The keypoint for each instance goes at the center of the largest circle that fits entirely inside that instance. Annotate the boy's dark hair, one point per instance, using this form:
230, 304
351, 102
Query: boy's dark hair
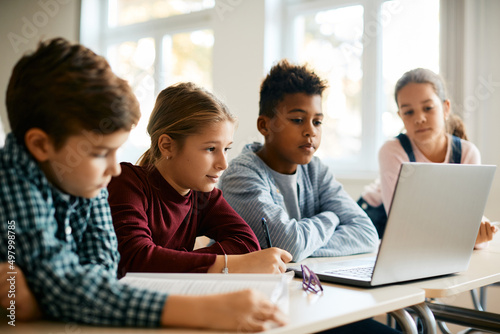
286, 78
64, 88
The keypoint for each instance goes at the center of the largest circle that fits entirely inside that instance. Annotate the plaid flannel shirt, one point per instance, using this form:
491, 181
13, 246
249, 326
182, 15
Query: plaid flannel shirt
67, 248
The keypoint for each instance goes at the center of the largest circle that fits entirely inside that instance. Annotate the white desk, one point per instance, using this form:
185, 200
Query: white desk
484, 269
339, 305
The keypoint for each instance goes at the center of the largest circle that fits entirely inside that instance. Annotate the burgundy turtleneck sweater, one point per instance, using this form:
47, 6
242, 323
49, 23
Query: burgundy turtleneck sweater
157, 227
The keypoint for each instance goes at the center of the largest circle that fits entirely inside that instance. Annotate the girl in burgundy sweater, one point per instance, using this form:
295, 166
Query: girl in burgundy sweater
162, 205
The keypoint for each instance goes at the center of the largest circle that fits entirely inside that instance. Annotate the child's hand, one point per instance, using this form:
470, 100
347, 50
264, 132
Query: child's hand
242, 311
26, 307
485, 234
270, 261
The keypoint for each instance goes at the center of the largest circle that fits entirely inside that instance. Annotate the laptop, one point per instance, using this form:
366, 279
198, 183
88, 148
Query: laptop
431, 227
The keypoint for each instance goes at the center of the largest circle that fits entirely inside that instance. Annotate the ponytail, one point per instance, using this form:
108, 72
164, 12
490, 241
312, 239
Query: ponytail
145, 159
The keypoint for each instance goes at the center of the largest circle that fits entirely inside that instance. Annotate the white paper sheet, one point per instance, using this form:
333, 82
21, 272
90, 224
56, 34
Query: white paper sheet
275, 287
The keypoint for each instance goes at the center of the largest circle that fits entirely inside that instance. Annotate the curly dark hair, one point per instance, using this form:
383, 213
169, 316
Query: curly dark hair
286, 78
64, 88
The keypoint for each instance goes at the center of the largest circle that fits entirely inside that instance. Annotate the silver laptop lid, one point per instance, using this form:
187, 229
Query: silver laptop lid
433, 221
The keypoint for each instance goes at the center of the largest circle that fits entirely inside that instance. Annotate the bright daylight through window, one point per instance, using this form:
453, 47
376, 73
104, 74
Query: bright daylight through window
333, 39
159, 58
360, 47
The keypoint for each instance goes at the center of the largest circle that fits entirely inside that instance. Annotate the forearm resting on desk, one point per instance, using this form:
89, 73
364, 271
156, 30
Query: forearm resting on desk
245, 310
486, 232
268, 261
26, 307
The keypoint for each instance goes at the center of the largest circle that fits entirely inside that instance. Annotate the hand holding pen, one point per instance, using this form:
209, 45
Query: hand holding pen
270, 260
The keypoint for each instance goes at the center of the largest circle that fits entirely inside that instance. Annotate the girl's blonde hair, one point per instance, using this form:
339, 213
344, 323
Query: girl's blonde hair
182, 110
454, 124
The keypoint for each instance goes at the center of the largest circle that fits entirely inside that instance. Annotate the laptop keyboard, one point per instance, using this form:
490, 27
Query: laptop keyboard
358, 272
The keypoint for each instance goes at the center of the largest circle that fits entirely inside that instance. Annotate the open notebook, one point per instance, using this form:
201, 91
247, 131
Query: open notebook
274, 286
431, 227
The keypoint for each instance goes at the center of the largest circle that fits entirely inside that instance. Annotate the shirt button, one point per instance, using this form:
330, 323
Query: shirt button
68, 230
364, 206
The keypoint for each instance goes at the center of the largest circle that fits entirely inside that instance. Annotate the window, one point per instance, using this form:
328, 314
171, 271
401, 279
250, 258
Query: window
125, 12
361, 48
411, 40
153, 44
330, 41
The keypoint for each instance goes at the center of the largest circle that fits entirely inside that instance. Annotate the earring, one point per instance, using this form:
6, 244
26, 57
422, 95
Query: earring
167, 157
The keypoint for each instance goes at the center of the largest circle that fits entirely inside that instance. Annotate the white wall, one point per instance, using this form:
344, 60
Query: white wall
246, 46
238, 65
23, 23
482, 87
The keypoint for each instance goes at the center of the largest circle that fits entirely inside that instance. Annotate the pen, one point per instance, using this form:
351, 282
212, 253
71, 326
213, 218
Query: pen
266, 233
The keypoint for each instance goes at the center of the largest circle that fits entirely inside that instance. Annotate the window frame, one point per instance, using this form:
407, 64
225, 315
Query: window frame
364, 164
270, 40
98, 35
103, 36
